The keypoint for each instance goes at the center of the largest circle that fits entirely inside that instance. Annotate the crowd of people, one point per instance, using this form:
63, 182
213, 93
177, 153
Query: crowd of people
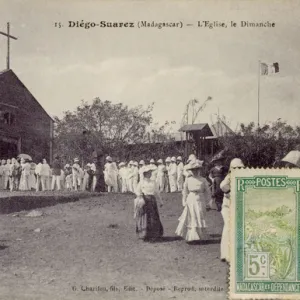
201, 190
22, 174
197, 195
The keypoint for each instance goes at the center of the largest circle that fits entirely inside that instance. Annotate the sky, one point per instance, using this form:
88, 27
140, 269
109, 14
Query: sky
169, 66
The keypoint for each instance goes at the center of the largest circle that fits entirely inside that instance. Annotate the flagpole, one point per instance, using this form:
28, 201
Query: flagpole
258, 92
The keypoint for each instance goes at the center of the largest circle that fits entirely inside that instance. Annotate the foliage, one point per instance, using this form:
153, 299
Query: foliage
278, 238
113, 129
261, 146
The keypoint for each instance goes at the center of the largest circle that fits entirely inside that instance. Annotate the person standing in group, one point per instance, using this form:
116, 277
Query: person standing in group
148, 224
154, 167
225, 186
93, 175
160, 178
37, 172
135, 178
69, 177
56, 172
2, 170
130, 177
180, 176
196, 194
6, 174
167, 182
217, 175
110, 175
86, 177
32, 178
173, 175
76, 173
13, 173
141, 165
45, 175
26, 171
122, 177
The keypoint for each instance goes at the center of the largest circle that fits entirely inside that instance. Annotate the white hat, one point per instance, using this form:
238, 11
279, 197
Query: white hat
179, 158
236, 163
142, 162
67, 166
293, 157
121, 164
192, 157
173, 159
76, 159
197, 164
130, 163
145, 169
108, 158
168, 159
152, 161
160, 161
135, 163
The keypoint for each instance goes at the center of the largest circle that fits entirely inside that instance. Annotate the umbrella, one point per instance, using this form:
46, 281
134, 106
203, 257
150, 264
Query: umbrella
25, 156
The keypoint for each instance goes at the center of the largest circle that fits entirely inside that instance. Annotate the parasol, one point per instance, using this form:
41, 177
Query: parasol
25, 156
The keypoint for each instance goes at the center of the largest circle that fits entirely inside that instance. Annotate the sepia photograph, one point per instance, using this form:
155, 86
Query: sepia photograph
121, 124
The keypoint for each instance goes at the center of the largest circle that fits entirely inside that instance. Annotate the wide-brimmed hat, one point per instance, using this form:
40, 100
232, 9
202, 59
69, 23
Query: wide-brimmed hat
121, 164
160, 161
218, 156
236, 163
146, 169
152, 161
293, 157
108, 158
192, 157
197, 164
173, 159
142, 163
179, 158
168, 159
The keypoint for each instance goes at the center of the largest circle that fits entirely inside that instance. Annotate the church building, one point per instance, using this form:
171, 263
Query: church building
25, 127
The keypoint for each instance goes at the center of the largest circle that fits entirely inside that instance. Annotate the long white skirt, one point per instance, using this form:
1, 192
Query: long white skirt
225, 233
192, 225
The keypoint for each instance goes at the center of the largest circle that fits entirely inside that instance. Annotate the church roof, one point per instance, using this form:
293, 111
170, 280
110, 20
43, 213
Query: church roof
10, 96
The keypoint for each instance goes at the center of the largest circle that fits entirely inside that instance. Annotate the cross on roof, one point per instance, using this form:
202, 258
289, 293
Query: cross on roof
8, 44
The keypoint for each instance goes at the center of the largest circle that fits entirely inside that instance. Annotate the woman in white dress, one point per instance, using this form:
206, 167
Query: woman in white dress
196, 194
148, 224
225, 187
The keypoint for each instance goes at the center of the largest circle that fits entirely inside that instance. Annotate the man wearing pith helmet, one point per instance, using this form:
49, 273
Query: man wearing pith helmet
160, 178
168, 164
154, 169
179, 173
173, 175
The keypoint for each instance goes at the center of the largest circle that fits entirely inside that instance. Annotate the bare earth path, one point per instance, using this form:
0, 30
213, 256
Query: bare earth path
92, 244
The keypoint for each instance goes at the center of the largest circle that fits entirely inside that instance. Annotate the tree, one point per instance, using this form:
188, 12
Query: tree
261, 146
100, 126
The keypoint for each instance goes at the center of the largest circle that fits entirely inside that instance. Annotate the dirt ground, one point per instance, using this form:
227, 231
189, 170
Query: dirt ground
88, 250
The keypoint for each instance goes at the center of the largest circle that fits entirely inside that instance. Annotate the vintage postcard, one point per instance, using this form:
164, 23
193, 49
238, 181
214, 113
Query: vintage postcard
121, 122
264, 234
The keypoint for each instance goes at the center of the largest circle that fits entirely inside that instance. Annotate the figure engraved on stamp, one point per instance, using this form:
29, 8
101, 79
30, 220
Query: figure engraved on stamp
264, 234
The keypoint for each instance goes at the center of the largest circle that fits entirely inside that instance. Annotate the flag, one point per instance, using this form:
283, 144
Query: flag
267, 69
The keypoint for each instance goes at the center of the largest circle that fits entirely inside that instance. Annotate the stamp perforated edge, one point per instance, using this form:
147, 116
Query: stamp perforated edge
231, 295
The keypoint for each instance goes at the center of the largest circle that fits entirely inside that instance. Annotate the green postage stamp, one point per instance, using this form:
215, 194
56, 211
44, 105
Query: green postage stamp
264, 234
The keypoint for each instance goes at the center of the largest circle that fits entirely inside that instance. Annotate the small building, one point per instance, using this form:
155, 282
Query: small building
25, 127
197, 135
